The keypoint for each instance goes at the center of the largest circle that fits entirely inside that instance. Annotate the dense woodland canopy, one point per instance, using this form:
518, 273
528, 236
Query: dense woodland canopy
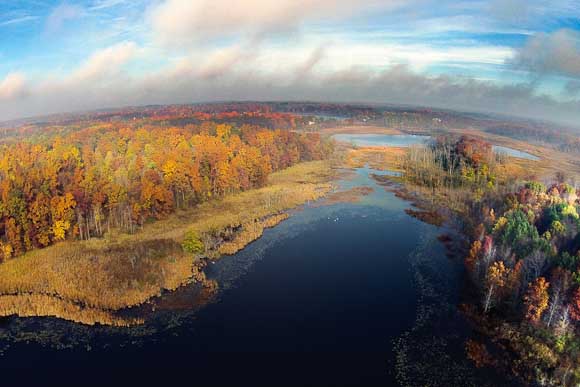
83, 180
524, 258
525, 263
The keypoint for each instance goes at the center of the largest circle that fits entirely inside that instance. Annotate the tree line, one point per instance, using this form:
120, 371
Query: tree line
523, 260
83, 182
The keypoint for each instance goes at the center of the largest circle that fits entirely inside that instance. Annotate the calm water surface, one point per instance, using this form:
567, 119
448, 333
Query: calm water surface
406, 140
356, 294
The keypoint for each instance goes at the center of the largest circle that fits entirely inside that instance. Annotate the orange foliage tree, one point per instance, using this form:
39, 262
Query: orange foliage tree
79, 183
575, 306
536, 299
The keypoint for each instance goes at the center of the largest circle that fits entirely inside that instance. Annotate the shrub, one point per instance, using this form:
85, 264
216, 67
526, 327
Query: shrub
192, 243
557, 228
536, 187
569, 189
567, 261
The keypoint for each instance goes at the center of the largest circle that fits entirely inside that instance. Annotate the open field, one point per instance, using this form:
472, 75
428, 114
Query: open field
86, 281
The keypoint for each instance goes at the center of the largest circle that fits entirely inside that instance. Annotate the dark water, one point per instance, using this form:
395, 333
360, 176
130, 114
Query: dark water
356, 294
407, 140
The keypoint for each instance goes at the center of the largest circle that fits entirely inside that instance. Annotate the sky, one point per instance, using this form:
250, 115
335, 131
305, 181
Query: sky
515, 57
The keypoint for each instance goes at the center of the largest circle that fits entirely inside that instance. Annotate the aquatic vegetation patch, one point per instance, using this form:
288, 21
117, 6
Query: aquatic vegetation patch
353, 195
379, 158
39, 305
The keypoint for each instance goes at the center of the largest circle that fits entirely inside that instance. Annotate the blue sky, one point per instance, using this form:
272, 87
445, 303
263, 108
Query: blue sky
518, 57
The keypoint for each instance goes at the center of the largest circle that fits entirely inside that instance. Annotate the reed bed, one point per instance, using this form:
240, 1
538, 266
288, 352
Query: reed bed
85, 281
38, 305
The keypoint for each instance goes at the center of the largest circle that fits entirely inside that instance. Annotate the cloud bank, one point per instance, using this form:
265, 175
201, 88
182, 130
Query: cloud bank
555, 53
183, 51
235, 75
13, 87
183, 22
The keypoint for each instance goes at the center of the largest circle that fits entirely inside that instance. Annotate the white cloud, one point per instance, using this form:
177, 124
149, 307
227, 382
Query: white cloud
61, 14
179, 22
18, 20
317, 56
241, 79
106, 62
13, 86
326, 61
555, 53
105, 4
224, 61
99, 81
340, 54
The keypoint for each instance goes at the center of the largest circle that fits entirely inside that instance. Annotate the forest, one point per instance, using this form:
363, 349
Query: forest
524, 262
523, 259
87, 178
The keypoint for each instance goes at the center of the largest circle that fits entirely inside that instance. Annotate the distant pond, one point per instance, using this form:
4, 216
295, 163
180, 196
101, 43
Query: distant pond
406, 140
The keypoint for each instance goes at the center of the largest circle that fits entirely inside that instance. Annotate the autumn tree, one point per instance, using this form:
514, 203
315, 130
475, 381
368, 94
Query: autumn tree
82, 180
536, 299
497, 275
472, 258
575, 305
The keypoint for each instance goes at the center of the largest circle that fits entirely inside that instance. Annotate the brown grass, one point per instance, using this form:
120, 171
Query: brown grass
352, 195
99, 275
380, 158
38, 305
367, 129
249, 233
552, 160
126, 270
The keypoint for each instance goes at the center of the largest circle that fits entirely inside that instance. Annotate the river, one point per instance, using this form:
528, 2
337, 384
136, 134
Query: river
357, 294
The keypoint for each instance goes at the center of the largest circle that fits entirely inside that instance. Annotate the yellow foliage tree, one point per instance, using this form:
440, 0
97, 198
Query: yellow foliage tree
497, 276
536, 299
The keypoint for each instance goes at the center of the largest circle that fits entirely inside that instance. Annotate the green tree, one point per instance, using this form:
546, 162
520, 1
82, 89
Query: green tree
536, 187
192, 243
519, 233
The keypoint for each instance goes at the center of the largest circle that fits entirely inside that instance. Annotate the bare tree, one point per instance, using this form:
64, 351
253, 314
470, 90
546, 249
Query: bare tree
534, 266
563, 323
554, 306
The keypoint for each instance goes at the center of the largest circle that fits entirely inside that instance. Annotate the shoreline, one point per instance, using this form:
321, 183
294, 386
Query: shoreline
106, 277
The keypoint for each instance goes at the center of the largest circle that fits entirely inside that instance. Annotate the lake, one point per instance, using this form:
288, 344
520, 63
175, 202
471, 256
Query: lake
350, 294
406, 140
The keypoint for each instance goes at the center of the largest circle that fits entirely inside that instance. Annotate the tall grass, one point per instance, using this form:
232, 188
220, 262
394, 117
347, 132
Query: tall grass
250, 232
35, 305
77, 280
